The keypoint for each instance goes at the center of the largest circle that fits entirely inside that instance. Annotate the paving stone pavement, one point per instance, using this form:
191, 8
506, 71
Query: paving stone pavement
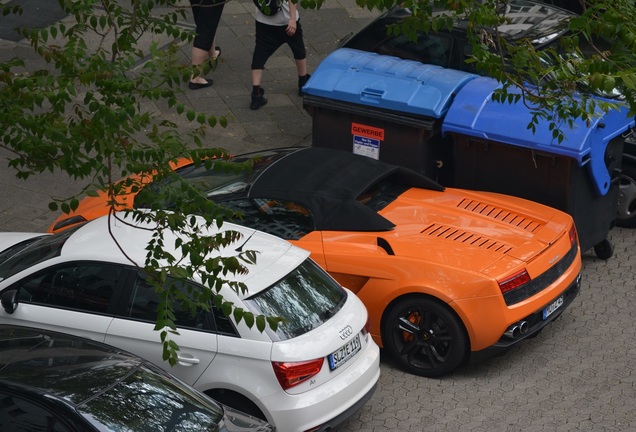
579, 374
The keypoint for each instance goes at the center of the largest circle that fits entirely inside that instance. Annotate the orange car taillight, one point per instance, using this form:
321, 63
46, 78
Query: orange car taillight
572, 234
514, 281
290, 374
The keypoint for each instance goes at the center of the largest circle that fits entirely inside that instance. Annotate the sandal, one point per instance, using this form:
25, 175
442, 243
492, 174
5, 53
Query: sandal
198, 86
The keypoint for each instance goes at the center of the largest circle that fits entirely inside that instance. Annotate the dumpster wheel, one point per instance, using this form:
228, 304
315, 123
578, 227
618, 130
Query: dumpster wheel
604, 250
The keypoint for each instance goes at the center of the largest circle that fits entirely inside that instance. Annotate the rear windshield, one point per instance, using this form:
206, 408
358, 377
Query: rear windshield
226, 179
382, 193
126, 406
305, 299
25, 256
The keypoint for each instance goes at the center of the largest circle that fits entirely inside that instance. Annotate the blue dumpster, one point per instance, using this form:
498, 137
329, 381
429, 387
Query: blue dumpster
383, 107
495, 151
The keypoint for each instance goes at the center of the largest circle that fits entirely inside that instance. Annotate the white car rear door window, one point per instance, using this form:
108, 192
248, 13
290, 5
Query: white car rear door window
133, 330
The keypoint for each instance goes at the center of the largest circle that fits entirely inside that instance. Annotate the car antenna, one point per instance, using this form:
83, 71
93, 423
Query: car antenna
240, 248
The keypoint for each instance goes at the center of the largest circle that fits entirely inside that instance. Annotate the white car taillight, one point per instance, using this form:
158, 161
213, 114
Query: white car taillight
290, 374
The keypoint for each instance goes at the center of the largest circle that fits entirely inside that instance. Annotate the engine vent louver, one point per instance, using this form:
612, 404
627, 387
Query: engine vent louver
458, 235
500, 214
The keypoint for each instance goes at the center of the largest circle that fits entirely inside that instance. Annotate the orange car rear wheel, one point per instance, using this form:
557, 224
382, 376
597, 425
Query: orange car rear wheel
425, 336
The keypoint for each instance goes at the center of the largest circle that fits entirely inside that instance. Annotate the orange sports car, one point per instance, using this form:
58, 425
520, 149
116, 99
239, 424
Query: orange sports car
448, 275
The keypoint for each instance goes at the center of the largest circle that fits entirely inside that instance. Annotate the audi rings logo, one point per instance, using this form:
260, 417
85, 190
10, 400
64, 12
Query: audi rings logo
345, 332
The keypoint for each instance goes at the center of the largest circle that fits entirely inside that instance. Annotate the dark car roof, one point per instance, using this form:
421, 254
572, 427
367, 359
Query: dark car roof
329, 181
532, 20
536, 21
71, 368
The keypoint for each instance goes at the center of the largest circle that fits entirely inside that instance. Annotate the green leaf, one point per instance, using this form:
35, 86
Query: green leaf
273, 322
260, 323
238, 315
249, 319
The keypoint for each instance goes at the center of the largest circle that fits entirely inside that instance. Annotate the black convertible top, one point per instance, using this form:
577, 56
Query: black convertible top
328, 182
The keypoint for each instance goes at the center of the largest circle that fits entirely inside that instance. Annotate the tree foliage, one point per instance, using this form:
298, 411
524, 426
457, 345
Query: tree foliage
87, 110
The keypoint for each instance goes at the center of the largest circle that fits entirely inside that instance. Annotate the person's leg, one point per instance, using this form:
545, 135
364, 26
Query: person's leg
258, 94
199, 46
297, 45
268, 40
199, 57
257, 77
214, 19
301, 66
207, 18
215, 51
303, 76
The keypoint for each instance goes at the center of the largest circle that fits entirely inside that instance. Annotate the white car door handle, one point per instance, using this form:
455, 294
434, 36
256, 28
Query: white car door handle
187, 361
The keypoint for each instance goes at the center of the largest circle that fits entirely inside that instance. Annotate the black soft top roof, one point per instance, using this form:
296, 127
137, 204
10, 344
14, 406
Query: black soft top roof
329, 181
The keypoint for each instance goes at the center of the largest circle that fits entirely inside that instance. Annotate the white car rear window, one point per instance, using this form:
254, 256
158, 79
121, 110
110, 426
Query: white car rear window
305, 299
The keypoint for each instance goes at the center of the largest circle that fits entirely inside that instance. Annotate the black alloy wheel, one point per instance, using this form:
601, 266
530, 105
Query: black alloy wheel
626, 210
425, 336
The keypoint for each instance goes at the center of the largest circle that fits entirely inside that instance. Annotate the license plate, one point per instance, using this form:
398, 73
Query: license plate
552, 307
347, 351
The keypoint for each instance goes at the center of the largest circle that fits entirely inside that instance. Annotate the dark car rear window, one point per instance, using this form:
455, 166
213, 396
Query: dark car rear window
174, 407
305, 299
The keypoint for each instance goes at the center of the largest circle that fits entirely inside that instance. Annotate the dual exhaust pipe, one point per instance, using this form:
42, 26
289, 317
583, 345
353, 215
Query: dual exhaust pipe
517, 329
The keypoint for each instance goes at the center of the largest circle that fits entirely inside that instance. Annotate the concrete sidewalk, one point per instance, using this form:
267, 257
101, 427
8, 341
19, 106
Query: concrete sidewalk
283, 121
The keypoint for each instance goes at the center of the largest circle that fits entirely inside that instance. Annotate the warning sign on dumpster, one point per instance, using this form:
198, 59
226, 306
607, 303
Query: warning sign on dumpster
366, 140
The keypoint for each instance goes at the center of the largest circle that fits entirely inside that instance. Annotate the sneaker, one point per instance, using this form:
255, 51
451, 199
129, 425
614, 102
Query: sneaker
301, 82
258, 101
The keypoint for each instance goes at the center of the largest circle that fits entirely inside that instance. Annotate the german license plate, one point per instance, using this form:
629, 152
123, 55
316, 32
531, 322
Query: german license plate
348, 350
552, 307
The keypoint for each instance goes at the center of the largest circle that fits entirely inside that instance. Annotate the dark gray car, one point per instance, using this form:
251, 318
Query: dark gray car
540, 23
56, 382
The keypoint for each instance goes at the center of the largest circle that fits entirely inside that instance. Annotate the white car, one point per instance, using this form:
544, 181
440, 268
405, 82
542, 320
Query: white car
316, 370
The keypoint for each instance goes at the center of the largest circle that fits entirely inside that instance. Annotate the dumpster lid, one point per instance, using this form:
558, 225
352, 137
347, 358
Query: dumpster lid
474, 113
329, 181
386, 82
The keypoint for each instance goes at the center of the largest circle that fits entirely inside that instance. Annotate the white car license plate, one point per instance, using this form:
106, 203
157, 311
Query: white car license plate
348, 350
552, 307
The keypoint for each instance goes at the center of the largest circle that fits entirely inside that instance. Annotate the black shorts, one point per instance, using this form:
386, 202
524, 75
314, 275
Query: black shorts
269, 38
207, 16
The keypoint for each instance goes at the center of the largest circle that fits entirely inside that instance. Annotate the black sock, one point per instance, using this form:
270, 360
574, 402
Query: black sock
302, 80
256, 90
